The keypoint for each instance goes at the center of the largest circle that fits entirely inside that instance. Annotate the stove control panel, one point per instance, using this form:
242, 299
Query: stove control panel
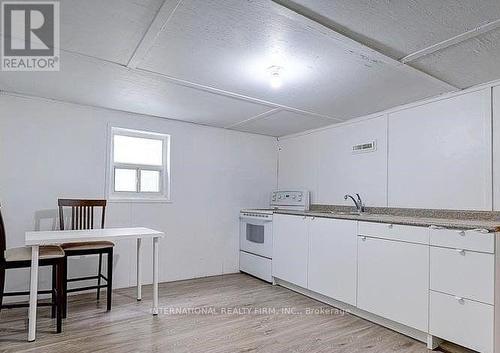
296, 199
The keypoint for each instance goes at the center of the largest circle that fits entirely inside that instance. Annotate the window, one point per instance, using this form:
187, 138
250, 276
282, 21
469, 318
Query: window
139, 166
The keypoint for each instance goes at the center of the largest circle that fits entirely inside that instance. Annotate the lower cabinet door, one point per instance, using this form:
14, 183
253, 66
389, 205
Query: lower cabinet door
290, 249
332, 258
393, 280
462, 321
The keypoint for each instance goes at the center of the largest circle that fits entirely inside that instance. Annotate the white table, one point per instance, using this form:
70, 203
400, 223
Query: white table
36, 239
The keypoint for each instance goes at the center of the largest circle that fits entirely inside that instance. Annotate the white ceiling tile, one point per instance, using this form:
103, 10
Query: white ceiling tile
399, 28
283, 123
468, 63
109, 29
89, 81
229, 45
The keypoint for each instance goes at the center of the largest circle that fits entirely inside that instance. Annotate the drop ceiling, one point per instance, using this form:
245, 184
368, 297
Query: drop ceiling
207, 61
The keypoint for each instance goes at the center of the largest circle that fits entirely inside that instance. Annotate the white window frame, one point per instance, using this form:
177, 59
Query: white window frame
124, 196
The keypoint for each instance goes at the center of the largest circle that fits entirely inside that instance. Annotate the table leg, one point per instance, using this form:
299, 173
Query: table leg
33, 293
155, 276
139, 270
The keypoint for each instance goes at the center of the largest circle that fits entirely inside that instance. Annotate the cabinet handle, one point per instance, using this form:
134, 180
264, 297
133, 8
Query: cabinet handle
363, 238
435, 227
481, 230
461, 232
313, 218
460, 251
391, 226
460, 300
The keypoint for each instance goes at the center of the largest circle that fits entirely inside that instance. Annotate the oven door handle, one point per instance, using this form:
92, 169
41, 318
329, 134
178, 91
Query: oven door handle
252, 218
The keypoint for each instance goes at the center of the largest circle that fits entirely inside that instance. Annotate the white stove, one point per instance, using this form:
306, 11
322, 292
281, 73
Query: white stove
256, 231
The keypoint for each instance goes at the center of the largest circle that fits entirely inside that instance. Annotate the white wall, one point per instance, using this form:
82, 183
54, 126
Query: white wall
299, 164
435, 154
496, 148
342, 172
50, 150
323, 163
440, 154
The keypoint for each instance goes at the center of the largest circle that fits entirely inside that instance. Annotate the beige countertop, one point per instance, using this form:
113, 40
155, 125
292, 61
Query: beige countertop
461, 220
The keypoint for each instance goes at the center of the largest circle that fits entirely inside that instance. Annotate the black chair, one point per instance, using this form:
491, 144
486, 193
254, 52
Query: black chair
21, 258
82, 217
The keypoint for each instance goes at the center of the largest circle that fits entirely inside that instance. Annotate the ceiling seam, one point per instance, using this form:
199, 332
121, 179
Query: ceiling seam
451, 41
260, 116
312, 16
270, 113
163, 16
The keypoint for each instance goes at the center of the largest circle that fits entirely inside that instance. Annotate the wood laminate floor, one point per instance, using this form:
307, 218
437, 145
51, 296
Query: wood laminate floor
232, 313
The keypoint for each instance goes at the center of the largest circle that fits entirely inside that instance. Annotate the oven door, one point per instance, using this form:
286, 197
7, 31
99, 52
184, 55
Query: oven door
256, 235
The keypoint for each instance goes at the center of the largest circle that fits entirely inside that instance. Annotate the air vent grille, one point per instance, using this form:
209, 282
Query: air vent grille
365, 147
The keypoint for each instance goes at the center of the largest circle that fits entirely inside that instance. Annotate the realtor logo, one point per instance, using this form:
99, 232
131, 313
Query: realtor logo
30, 39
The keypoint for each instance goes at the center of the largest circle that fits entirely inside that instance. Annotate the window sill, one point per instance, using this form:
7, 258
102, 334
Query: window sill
139, 200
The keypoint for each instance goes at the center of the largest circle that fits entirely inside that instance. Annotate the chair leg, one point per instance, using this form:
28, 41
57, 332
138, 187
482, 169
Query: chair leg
64, 291
2, 284
110, 278
54, 300
60, 294
99, 277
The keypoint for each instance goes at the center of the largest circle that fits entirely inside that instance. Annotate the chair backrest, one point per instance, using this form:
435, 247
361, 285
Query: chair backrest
3, 241
82, 213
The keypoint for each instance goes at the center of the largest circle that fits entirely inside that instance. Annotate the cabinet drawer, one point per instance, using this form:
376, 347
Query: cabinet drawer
464, 273
463, 239
395, 232
465, 322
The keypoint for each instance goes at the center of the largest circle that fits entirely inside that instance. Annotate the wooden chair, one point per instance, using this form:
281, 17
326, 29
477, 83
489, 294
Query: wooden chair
21, 258
82, 217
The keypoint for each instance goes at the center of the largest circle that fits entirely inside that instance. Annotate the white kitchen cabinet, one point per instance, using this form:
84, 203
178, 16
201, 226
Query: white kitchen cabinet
440, 282
463, 298
463, 273
393, 280
474, 240
411, 234
440, 154
290, 249
332, 258
462, 321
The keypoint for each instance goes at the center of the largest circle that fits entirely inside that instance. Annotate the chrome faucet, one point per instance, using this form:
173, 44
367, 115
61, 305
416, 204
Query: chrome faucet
360, 208
360, 203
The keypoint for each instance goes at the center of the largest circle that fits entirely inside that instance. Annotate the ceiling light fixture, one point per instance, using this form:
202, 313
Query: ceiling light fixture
275, 80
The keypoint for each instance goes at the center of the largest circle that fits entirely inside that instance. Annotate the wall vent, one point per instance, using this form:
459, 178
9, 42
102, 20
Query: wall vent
365, 147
